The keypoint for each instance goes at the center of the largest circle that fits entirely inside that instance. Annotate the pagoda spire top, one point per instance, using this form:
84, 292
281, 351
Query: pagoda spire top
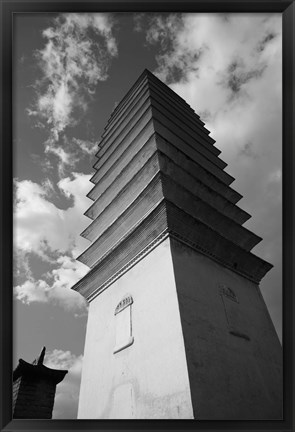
41, 356
39, 360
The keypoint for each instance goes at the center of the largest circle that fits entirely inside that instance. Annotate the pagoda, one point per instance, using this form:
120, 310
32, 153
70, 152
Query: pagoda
177, 326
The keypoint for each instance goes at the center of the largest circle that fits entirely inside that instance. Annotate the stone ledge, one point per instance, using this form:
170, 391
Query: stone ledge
130, 219
167, 219
137, 96
137, 180
186, 178
166, 117
190, 117
140, 155
137, 137
131, 129
187, 163
124, 126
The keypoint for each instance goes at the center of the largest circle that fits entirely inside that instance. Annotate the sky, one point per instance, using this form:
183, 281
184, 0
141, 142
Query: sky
70, 72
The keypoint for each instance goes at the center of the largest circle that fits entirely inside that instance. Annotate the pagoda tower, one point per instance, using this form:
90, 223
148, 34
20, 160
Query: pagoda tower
177, 326
34, 387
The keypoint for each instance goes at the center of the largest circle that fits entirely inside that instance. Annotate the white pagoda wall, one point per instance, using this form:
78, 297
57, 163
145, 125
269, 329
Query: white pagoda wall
148, 379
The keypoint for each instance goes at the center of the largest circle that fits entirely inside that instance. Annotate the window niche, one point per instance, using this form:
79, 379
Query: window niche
123, 324
237, 325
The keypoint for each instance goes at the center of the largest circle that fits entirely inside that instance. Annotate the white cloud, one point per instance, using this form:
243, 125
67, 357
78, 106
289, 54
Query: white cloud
64, 277
32, 291
39, 225
56, 286
207, 58
67, 392
70, 152
41, 228
88, 147
59, 359
77, 54
21, 268
48, 186
64, 157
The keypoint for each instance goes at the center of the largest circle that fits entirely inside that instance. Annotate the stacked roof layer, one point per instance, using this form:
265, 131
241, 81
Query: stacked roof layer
157, 174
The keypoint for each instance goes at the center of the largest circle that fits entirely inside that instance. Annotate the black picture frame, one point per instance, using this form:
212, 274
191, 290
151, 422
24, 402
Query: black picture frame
8, 9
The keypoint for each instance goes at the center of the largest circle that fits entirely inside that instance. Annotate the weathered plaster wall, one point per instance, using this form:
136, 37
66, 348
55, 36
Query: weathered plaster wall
149, 379
231, 376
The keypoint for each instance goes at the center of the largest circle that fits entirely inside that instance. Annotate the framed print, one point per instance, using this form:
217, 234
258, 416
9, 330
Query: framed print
147, 215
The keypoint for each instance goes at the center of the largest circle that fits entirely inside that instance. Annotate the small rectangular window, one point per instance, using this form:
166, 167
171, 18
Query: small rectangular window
236, 320
123, 324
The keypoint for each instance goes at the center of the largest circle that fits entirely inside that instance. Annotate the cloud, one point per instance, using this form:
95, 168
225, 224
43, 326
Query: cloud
59, 359
213, 57
32, 291
64, 277
164, 31
21, 268
77, 54
267, 38
87, 146
48, 186
69, 153
65, 158
43, 228
39, 225
247, 150
67, 392
55, 287
51, 233
238, 74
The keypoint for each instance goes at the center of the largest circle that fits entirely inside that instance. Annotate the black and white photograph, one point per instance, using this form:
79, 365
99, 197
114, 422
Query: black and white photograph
147, 216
